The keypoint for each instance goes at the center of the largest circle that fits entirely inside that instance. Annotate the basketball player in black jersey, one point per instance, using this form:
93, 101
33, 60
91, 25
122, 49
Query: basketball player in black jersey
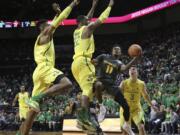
107, 68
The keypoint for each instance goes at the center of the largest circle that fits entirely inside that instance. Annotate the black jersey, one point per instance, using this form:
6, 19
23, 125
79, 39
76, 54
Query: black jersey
108, 68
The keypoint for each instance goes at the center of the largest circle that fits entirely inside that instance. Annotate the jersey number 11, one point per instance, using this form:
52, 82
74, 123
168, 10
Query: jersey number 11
109, 69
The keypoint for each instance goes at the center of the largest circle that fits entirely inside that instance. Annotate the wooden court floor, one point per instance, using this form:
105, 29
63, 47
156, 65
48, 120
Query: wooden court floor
52, 133
60, 133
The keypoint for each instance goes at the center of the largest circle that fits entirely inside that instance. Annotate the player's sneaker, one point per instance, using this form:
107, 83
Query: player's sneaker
87, 124
81, 126
102, 113
33, 104
84, 118
128, 129
88, 132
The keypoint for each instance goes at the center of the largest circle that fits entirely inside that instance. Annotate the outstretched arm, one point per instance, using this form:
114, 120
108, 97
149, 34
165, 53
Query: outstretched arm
92, 26
102, 17
91, 12
127, 66
147, 98
60, 17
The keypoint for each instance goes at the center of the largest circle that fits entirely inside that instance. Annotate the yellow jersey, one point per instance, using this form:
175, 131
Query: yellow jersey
83, 47
22, 98
132, 92
44, 53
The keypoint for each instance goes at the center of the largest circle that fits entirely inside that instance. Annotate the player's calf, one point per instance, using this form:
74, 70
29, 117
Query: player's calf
98, 88
141, 129
119, 98
62, 85
127, 129
98, 85
27, 124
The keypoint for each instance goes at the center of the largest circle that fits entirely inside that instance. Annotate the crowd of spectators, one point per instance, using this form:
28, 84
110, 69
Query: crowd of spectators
158, 68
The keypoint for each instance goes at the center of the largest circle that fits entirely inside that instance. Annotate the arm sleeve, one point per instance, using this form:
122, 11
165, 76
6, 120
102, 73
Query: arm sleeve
105, 14
61, 17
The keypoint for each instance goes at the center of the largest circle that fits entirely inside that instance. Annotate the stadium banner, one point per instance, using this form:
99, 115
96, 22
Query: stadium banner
108, 125
110, 20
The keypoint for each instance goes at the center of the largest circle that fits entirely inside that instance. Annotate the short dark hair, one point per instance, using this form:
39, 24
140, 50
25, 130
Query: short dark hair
114, 46
80, 18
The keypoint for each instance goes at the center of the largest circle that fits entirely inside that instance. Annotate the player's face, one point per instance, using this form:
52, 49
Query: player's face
116, 52
22, 88
133, 72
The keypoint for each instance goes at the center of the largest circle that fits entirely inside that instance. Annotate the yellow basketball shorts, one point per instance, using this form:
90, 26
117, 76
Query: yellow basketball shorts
43, 78
23, 112
136, 116
84, 73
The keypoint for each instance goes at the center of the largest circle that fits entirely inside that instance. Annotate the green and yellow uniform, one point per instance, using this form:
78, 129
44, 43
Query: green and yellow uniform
82, 68
84, 71
23, 108
44, 55
132, 92
45, 73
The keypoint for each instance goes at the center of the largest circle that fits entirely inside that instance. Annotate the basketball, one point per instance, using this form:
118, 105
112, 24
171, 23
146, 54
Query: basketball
134, 50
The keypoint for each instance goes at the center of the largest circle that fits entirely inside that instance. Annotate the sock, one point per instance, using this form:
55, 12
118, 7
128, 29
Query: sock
38, 98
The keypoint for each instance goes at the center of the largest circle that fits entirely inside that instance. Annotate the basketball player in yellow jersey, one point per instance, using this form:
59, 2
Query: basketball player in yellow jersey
48, 81
21, 97
133, 89
82, 68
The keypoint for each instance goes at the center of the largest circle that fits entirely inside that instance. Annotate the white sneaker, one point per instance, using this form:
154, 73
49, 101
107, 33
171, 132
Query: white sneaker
102, 113
128, 129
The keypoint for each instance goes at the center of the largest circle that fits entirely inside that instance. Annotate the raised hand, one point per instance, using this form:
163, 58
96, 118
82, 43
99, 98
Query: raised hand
111, 3
76, 2
56, 7
95, 2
